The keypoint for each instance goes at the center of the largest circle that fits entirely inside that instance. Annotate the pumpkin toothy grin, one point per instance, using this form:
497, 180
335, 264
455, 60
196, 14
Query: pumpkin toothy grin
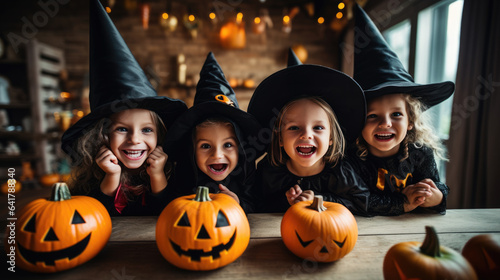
384, 136
196, 254
306, 150
49, 258
218, 168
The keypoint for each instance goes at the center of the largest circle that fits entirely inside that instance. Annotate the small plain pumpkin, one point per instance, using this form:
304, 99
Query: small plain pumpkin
319, 231
483, 253
426, 260
202, 231
61, 232
48, 180
11, 185
232, 35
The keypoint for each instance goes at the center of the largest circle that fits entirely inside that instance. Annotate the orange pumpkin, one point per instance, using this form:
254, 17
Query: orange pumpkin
427, 260
11, 186
203, 231
61, 232
483, 253
48, 180
319, 231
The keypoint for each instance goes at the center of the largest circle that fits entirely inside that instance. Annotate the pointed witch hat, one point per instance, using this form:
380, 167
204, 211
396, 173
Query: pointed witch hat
299, 80
117, 82
214, 98
292, 58
379, 71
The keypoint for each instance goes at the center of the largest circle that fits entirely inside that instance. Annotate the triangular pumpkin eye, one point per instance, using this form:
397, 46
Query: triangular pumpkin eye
31, 224
340, 244
221, 220
184, 221
303, 243
77, 219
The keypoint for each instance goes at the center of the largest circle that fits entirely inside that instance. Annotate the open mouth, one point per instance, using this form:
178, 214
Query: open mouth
306, 150
218, 168
385, 136
134, 154
49, 258
197, 254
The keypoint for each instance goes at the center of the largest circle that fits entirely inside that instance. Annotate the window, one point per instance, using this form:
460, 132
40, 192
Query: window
436, 55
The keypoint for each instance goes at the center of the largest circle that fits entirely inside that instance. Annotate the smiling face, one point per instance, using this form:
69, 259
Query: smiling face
386, 125
133, 136
305, 137
216, 149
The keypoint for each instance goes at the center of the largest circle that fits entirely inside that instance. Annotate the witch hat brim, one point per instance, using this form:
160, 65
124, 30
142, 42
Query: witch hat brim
339, 90
214, 98
379, 71
117, 82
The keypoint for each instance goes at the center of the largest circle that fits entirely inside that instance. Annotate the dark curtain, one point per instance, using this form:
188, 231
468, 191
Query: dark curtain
474, 146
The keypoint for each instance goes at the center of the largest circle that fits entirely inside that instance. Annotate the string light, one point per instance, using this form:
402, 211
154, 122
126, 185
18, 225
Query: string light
256, 20
339, 15
108, 10
211, 15
341, 5
164, 16
321, 20
239, 17
286, 19
191, 18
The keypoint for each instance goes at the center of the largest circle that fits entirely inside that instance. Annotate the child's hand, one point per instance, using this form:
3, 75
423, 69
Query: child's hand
436, 195
107, 161
156, 162
295, 194
225, 190
416, 195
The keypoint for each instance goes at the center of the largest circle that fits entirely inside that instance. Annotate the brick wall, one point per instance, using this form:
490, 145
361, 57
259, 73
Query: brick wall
65, 25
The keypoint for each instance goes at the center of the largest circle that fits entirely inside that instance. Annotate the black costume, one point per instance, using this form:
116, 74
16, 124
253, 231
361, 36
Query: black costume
387, 177
379, 72
214, 99
117, 83
336, 183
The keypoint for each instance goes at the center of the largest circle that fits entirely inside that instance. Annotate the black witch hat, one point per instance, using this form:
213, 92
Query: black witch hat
299, 80
214, 98
292, 58
379, 71
117, 82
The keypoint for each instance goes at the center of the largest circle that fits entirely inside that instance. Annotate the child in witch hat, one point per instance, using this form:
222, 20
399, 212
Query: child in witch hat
311, 112
396, 148
209, 142
116, 149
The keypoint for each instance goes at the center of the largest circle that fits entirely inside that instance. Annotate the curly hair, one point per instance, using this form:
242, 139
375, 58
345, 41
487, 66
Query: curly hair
421, 135
86, 174
334, 152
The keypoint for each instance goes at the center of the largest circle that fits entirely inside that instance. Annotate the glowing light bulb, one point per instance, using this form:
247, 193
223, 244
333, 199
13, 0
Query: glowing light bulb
164, 16
341, 5
339, 15
321, 20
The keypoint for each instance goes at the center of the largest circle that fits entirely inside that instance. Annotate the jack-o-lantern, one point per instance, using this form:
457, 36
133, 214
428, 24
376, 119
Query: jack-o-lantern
483, 253
427, 260
232, 35
319, 231
203, 231
61, 232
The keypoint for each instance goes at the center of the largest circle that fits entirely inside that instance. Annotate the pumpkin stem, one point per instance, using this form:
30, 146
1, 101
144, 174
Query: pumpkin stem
202, 194
317, 204
430, 246
60, 192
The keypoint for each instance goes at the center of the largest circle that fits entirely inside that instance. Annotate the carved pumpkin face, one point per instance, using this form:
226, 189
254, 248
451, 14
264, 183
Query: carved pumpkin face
202, 232
426, 260
60, 233
321, 231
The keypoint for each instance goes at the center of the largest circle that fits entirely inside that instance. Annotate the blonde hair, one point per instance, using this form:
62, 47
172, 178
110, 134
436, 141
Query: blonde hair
335, 151
86, 174
422, 133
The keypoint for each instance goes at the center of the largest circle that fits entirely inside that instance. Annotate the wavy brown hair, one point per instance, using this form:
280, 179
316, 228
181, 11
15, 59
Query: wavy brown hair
86, 174
421, 135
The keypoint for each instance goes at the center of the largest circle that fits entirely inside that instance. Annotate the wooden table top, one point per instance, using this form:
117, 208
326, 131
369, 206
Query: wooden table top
131, 252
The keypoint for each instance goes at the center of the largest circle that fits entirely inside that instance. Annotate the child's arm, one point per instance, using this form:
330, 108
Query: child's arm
295, 194
156, 164
225, 190
108, 162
